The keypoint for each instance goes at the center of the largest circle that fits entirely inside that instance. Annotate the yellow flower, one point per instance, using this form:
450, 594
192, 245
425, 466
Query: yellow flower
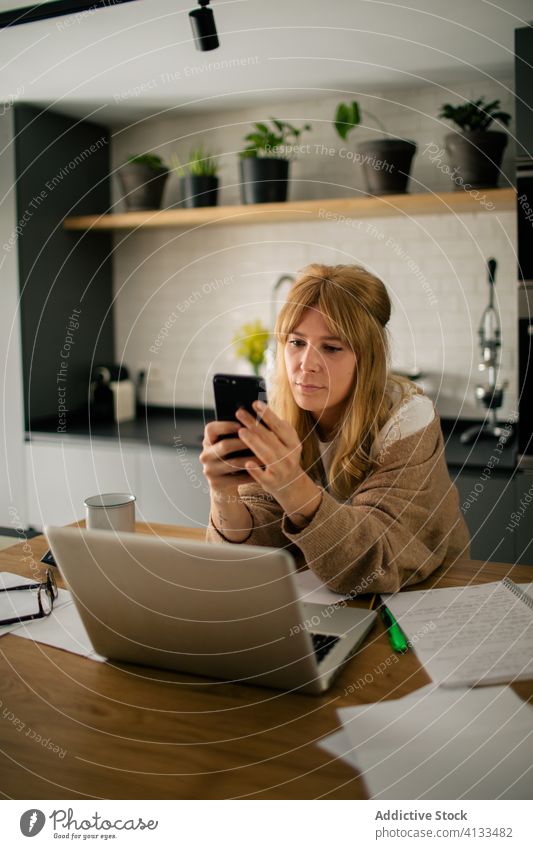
251, 341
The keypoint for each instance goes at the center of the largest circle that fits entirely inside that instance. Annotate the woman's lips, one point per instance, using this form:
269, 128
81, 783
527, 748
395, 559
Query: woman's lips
308, 387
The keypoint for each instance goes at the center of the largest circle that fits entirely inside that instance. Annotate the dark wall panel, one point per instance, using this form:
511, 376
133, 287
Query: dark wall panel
65, 278
524, 88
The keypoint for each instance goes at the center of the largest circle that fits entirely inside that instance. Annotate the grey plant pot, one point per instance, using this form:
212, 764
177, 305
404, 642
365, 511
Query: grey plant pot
476, 157
386, 165
142, 187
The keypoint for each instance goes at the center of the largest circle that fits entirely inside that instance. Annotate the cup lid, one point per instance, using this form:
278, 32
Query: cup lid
109, 499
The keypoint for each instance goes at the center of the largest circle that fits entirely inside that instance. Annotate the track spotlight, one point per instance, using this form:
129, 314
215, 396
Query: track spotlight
203, 27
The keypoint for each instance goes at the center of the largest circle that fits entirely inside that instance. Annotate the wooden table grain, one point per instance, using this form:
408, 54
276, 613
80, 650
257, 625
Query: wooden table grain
73, 728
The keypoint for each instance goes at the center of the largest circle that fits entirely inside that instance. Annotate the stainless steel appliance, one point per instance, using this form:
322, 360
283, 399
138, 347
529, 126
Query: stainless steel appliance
490, 390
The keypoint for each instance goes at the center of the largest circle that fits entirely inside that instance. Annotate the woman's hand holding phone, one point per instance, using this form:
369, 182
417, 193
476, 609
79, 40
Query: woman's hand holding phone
223, 475
276, 447
276, 467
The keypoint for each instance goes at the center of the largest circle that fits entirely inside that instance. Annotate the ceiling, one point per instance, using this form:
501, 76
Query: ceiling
129, 61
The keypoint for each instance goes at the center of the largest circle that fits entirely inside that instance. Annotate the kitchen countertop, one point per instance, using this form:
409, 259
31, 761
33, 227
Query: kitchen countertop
476, 455
165, 427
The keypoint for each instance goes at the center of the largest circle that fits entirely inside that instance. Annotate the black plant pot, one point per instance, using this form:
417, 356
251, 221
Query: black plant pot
142, 186
476, 158
386, 165
198, 191
264, 179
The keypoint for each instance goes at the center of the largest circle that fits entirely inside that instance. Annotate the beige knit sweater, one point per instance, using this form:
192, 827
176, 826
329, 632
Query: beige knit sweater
400, 524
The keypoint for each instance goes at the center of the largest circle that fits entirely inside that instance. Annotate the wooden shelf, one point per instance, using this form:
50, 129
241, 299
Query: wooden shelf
444, 203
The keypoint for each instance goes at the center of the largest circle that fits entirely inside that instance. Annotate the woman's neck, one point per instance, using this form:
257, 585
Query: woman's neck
325, 432
328, 422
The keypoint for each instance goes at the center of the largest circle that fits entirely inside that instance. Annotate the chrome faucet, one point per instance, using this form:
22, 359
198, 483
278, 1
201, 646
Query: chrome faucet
273, 312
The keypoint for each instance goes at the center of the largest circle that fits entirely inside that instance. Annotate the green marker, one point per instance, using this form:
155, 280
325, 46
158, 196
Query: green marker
396, 635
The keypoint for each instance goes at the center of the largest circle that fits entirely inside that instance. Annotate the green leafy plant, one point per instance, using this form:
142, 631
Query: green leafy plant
474, 115
270, 141
251, 342
201, 163
348, 116
152, 160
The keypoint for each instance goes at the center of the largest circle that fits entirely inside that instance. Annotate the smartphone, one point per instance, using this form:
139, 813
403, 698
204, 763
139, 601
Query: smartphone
233, 391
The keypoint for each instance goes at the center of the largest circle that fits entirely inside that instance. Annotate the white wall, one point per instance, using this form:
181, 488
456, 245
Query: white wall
205, 283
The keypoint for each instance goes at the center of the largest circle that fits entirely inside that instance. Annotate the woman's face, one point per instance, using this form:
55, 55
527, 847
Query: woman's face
320, 368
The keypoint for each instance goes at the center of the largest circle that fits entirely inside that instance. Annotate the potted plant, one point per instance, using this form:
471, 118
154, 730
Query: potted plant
251, 342
143, 179
475, 152
198, 178
264, 163
386, 161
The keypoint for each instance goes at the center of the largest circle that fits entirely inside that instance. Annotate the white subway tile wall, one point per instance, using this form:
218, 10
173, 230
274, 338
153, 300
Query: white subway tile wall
180, 296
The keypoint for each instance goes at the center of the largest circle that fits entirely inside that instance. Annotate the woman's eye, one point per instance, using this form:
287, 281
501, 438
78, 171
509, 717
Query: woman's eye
297, 343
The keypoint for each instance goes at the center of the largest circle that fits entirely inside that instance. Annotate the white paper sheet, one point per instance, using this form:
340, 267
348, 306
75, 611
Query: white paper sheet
63, 629
340, 744
527, 588
441, 744
468, 635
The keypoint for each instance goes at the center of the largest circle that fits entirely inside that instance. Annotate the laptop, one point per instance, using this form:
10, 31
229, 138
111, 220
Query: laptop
229, 612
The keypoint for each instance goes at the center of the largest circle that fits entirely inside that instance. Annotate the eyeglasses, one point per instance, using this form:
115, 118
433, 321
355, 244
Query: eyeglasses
46, 595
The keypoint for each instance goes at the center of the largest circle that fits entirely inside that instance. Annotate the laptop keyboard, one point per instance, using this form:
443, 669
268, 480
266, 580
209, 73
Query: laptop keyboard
322, 644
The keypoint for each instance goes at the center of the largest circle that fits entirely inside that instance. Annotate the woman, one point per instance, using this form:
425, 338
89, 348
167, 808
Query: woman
349, 473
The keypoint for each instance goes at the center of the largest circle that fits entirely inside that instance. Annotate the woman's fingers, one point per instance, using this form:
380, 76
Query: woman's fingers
257, 444
215, 457
228, 446
266, 413
224, 473
282, 429
253, 425
216, 468
255, 471
214, 430
265, 444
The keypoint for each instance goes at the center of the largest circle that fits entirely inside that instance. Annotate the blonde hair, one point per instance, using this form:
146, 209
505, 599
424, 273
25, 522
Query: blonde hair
356, 307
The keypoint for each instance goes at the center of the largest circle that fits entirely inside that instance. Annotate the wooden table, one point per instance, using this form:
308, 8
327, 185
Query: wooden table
74, 728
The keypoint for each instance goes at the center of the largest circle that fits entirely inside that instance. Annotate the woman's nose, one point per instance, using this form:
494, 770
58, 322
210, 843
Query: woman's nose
310, 359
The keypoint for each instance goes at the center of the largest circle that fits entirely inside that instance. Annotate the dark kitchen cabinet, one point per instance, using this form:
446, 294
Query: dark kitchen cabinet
487, 506
498, 512
521, 522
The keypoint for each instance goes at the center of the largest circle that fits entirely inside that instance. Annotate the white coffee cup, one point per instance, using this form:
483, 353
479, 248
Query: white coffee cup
110, 511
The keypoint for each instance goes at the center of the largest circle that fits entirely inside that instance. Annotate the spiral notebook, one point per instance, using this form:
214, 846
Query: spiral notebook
480, 634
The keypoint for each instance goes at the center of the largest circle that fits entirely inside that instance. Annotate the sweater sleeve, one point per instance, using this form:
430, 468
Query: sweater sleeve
398, 527
266, 519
